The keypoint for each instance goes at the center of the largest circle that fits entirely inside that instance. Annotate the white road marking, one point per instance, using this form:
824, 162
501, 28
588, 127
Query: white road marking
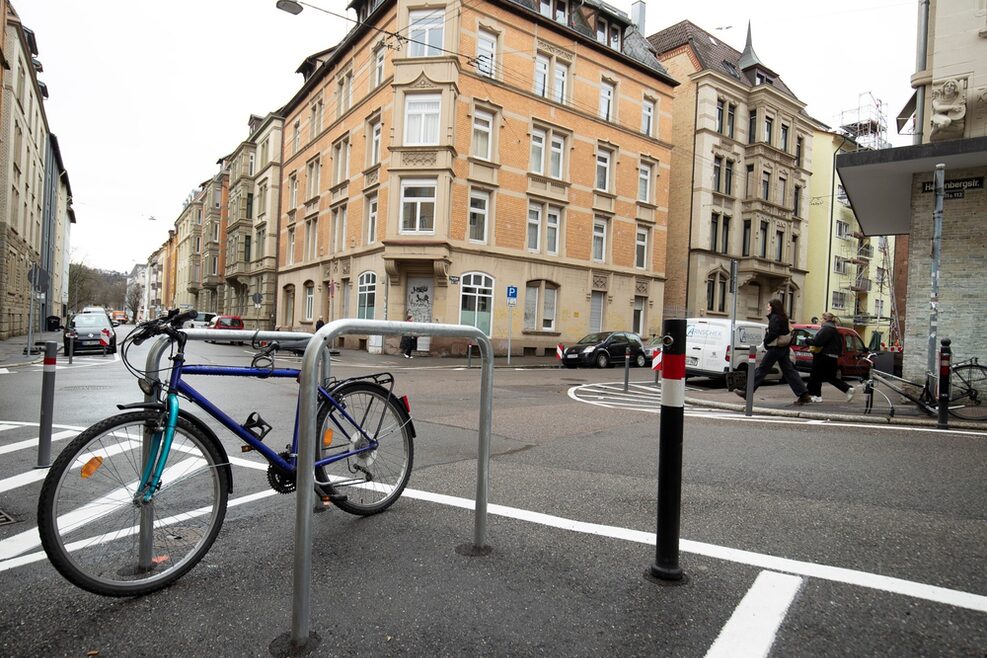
750, 631
4, 371
8, 427
33, 443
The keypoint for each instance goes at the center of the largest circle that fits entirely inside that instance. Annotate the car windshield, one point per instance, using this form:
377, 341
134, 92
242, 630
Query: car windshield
91, 320
595, 338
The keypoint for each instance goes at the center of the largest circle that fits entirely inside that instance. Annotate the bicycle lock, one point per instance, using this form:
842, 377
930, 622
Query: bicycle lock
945, 356
666, 568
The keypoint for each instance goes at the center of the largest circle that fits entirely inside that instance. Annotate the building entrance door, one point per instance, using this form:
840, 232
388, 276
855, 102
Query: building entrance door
420, 295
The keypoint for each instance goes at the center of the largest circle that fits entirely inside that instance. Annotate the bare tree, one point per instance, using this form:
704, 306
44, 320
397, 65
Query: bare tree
135, 295
84, 283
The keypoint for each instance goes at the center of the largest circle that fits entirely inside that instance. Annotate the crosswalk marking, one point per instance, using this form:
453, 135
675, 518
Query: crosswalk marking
31, 443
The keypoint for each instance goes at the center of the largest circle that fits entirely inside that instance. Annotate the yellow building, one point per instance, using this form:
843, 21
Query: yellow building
442, 153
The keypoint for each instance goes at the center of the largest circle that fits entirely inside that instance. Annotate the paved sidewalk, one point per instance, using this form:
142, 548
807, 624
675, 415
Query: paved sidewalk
13, 351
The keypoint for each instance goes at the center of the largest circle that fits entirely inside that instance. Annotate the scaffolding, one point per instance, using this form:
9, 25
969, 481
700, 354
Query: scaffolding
867, 123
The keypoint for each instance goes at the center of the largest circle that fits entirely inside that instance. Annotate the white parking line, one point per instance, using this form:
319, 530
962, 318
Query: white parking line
33, 443
751, 629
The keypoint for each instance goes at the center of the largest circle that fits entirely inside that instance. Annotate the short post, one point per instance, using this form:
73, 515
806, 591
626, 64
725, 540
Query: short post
627, 367
71, 347
47, 405
945, 356
656, 365
469, 354
751, 368
560, 354
666, 567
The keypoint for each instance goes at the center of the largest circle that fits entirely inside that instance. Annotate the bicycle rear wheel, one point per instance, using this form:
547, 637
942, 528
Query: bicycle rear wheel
90, 523
968, 392
374, 479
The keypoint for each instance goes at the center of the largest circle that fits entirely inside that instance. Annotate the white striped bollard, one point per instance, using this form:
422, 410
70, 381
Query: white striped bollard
47, 405
666, 567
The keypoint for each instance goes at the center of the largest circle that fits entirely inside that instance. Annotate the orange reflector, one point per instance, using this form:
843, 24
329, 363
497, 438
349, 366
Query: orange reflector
91, 466
327, 438
160, 559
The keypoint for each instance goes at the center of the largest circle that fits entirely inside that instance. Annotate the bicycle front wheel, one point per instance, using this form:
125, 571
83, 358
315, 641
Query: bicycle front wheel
373, 479
968, 392
103, 540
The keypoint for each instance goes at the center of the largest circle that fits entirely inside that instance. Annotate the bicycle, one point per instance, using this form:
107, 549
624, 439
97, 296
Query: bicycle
136, 500
967, 390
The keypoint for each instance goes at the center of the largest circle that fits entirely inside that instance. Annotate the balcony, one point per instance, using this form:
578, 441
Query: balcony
237, 269
862, 284
865, 251
193, 286
212, 281
754, 266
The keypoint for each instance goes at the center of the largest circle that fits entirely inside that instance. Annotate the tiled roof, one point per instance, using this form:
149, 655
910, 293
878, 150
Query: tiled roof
713, 54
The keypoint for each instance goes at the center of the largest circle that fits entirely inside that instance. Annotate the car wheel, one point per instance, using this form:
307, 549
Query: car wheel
602, 360
640, 361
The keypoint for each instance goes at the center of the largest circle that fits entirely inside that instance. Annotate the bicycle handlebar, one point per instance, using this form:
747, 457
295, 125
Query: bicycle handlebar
169, 324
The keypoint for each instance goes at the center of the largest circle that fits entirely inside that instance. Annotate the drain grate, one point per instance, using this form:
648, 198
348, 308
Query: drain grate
6, 519
86, 388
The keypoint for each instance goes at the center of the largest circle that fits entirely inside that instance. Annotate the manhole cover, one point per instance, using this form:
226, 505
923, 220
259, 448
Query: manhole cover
5, 519
86, 388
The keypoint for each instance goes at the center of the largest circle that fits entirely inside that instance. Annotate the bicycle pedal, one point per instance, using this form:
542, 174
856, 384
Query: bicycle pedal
246, 448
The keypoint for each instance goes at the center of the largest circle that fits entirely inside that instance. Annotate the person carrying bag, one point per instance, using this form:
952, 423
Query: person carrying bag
777, 339
826, 347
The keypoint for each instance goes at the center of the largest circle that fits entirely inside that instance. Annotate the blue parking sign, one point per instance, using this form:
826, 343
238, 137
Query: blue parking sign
512, 292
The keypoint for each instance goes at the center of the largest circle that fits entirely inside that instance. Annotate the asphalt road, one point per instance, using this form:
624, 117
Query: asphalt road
798, 537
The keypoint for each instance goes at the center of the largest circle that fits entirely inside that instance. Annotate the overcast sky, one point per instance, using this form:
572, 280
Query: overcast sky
145, 97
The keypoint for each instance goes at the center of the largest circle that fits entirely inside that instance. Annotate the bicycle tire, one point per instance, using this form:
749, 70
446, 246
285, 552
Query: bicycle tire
373, 480
968, 392
100, 553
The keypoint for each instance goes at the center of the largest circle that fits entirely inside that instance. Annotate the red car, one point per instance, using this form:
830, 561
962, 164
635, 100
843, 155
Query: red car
850, 363
226, 322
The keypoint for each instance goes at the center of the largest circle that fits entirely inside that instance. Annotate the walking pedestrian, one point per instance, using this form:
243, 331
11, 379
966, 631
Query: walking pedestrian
408, 342
321, 323
777, 339
826, 347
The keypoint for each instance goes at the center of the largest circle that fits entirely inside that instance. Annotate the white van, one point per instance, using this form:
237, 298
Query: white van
707, 349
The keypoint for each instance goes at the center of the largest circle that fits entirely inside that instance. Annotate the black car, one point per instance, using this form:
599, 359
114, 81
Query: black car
605, 348
86, 329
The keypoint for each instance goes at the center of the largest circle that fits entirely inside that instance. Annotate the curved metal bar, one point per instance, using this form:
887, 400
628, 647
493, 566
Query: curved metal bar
307, 430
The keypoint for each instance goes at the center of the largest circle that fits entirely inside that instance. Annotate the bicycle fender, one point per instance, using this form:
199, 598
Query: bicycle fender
405, 416
194, 420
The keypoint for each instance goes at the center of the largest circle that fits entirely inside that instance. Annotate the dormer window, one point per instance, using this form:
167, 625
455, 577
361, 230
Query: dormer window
731, 69
761, 78
607, 33
557, 10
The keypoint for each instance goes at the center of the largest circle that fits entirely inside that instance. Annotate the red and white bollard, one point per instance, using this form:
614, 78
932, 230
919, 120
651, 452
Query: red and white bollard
560, 353
47, 405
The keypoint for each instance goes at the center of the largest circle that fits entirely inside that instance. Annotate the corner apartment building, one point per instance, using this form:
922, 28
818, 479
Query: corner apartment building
740, 171
443, 152
850, 273
215, 195
188, 252
254, 171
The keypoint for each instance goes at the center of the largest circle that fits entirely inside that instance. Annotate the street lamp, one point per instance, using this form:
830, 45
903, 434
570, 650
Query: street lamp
290, 6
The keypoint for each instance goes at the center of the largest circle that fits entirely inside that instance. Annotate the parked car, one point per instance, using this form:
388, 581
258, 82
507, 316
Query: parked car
708, 351
651, 346
850, 363
605, 348
201, 321
120, 317
86, 328
226, 322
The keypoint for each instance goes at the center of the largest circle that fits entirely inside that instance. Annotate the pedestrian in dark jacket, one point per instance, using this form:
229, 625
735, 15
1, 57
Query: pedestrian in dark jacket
830, 346
408, 343
776, 343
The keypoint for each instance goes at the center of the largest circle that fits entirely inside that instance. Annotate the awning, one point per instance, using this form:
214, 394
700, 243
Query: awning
907, 112
879, 183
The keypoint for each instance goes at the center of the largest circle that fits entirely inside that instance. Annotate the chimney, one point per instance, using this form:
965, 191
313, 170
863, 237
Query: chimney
637, 15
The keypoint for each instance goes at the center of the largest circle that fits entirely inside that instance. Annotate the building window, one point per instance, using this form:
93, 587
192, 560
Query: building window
745, 245
879, 308
250, 205
645, 174
720, 115
555, 9
798, 151
725, 244
640, 315
309, 301
763, 239
728, 178
311, 239
604, 157
784, 138
315, 120
540, 301
291, 247
247, 249
371, 231
608, 94
731, 119
296, 137
842, 229
543, 228
779, 246
554, 167
486, 53
797, 201
421, 119
839, 299
214, 265
341, 161
547, 68
600, 225
765, 186
425, 32
293, 191
375, 138
479, 211
717, 169
714, 231
841, 265
476, 301
344, 93
716, 292
366, 296
768, 129
648, 117
795, 250
752, 127
541, 75
288, 319
534, 227
338, 229
379, 66
560, 83
641, 247
782, 190
482, 130
418, 206
312, 171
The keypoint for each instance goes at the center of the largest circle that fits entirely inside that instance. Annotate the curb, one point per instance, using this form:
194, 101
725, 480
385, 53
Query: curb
855, 418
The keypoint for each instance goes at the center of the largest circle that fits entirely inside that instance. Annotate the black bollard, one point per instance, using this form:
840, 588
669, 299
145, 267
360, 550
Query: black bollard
666, 567
627, 367
945, 356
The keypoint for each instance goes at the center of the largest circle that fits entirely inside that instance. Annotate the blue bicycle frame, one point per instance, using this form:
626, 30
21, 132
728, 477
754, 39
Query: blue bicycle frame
161, 440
